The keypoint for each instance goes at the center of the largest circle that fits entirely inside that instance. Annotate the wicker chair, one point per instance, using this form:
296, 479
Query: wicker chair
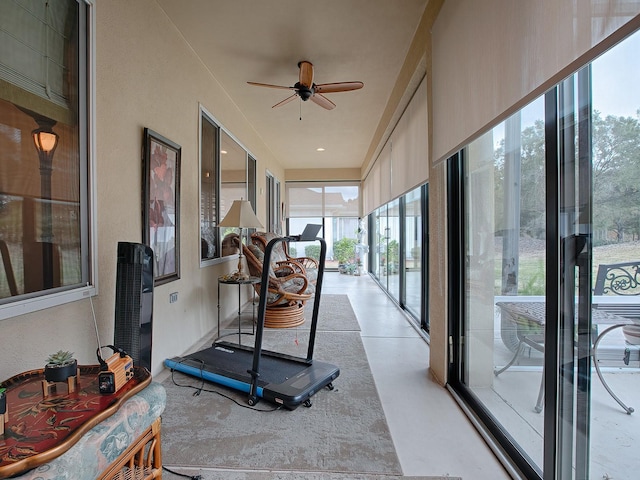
288, 290
280, 253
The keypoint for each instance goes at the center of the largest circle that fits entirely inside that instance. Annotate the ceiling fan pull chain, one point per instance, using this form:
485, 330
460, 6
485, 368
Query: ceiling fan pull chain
300, 104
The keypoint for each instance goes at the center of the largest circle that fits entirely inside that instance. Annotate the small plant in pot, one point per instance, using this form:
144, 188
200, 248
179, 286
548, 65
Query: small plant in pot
60, 366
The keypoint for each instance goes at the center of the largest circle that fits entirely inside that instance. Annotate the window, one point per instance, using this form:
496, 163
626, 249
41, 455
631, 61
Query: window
44, 184
549, 198
209, 138
274, 220
415, 261
336, 207
227, 173
233, 173
251, 181
399, 241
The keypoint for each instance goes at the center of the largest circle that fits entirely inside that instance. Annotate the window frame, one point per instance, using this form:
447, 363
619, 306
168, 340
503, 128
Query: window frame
250, 167
202, 112
87, 175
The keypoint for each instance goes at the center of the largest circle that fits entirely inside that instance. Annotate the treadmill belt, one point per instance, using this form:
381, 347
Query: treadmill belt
235, 362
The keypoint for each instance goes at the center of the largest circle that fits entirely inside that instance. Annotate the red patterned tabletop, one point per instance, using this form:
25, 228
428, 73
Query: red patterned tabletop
40, 428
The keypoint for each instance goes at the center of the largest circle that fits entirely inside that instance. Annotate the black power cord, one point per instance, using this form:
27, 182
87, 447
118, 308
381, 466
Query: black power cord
200, 389
192, 477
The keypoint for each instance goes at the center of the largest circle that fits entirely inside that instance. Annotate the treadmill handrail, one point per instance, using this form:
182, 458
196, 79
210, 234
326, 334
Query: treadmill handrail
262, 308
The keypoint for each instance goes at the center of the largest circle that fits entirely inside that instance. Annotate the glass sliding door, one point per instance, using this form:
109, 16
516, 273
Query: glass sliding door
379, 234
398, 254
336, 207
504, 269
415, 262
305, 205
392, 251
615, 269
341, 221
567, 337
274, 220
547, 206
413, 249
386, 246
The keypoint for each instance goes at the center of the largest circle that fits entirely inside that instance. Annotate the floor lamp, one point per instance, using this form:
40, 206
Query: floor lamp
240, 215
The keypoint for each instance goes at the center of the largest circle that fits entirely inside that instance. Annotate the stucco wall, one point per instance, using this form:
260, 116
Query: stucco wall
438, 273
146, 76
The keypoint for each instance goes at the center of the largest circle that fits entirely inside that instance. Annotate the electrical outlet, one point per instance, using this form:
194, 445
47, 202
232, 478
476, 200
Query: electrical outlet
173, 297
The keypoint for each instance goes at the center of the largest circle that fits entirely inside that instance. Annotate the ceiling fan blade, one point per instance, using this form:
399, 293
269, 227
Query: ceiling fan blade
338, 87
285, 101
270, 86
324, 102
306, 73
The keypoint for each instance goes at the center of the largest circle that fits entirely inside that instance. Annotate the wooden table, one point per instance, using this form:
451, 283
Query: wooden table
529, 319
41, 428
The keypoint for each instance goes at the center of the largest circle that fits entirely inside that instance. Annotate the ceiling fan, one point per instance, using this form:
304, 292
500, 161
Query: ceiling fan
307, 90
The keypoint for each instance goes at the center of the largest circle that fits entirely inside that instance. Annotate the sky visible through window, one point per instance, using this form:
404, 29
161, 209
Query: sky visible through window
616, 79
615, 86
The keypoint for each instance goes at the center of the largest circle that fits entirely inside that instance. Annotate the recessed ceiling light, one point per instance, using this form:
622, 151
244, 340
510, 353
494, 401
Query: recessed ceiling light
320, 149
223, 152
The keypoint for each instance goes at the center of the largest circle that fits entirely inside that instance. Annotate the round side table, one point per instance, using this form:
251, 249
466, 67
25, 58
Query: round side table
239, 282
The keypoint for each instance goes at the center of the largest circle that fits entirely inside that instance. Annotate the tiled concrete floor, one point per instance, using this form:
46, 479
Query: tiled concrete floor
431, 433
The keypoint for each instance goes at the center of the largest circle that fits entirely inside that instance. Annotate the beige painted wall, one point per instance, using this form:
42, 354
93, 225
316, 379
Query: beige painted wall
438, 273
146, 77
323, 174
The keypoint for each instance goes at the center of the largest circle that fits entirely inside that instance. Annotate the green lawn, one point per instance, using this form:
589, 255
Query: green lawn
532, 265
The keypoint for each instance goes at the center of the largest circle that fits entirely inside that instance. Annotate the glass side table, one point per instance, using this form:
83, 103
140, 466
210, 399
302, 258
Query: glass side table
239, 282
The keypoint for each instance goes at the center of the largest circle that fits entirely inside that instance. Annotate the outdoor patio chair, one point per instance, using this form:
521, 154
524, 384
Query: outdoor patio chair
523, 326
621, 280
529, 320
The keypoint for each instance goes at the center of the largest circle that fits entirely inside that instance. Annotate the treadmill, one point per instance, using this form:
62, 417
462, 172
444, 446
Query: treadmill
277, 377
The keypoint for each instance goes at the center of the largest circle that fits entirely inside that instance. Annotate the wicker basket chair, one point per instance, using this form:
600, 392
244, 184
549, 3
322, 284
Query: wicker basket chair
287, 292
280, 253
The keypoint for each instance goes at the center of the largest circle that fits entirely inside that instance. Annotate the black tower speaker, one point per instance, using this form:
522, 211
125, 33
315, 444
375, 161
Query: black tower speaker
134, 302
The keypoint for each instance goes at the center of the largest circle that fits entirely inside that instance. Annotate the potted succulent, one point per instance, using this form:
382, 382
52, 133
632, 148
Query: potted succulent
60, 366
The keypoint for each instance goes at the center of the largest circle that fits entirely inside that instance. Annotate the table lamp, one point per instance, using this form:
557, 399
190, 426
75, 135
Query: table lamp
241, 215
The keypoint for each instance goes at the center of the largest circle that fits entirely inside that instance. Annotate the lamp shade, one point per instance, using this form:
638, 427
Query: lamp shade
46, 141
241, 215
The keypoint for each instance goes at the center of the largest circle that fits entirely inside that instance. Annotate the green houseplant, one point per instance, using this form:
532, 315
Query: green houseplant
60, 366
344, 251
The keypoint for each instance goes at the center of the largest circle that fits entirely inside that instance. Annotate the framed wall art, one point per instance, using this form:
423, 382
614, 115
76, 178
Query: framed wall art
161, 204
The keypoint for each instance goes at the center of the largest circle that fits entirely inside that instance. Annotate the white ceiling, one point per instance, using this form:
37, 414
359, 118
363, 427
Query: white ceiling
263, 41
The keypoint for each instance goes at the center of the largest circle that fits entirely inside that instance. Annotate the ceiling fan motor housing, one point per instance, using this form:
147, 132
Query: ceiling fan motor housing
304, 92
306, 89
